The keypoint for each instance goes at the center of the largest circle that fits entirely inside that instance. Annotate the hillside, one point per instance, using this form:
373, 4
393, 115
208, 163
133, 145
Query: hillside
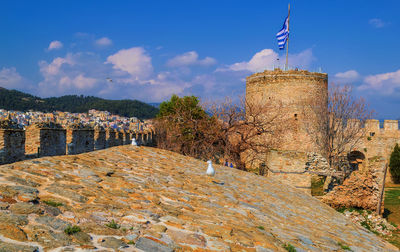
16, 100
147, 199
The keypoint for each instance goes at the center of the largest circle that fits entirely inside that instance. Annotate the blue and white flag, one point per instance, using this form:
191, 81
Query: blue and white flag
283, 34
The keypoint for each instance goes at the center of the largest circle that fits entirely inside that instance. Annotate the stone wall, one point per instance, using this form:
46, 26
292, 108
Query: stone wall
45, 141
50, 139
127, 137
289, 167
362, 189
80, 141
377, 141
100, 139
119, 138
110, 138
12, 145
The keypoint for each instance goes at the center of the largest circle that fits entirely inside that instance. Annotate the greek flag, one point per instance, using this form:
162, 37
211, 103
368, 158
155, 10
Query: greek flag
283, 34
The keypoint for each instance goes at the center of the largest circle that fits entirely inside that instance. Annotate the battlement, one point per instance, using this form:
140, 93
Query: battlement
373, 125
285, 75
50, 139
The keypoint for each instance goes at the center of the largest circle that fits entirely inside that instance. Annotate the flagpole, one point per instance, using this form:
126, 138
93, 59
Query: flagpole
287, 45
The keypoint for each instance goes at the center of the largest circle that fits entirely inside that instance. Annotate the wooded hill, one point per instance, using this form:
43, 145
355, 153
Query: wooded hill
16, 100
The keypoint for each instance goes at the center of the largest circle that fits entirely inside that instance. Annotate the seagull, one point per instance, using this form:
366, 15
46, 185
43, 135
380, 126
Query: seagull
134, 142
210, 169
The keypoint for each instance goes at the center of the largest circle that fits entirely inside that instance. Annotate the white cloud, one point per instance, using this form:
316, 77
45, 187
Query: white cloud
71, 74
134, 61
10, 78
377, 23
346, 77
104, 41
386, 83
80, 82
55, 45
54, 67
269, 59
190, 58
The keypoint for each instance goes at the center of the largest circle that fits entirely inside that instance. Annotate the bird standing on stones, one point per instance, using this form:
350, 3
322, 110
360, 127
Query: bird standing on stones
134, 142
210, 169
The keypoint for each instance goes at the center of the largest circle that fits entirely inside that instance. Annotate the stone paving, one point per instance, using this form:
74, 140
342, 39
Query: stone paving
131, 198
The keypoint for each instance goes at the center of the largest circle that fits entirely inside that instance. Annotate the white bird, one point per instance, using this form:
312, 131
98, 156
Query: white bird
134, 142
210, 169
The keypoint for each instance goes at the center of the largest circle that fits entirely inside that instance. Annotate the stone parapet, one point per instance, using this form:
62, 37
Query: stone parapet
100, 141
42, 140
80, 140
110, 137
119, 137
12, 145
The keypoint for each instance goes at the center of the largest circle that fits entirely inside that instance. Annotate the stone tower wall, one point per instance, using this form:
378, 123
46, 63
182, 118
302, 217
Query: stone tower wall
299, 96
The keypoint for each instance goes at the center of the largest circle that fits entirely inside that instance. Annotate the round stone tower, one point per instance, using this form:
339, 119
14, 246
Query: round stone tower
300, 97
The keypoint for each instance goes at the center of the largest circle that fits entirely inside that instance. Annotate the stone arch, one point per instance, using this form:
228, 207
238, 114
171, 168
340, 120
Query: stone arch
356, 160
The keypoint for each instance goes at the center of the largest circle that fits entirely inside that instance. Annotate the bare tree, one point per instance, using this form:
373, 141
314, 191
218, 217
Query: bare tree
248, 130
338, 128
242, 132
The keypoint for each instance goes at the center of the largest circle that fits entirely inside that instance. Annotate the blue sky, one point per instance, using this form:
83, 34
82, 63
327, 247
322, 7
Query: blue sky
148, 50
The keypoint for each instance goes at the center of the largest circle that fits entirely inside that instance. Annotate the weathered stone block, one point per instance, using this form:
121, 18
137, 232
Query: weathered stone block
12, 145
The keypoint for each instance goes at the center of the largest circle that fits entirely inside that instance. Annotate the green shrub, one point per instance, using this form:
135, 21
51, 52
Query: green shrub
52, 203
317, 185
395, 164
289, 247
261, 227
72, 230
113, 225
344, 246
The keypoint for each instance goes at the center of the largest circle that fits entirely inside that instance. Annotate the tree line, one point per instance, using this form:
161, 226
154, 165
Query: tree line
16, 100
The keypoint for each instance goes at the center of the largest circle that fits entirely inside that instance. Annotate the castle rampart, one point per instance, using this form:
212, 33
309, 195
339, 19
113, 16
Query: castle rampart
80, 140
119, 137
45, 139
99, 138
110, 138
12, 145
127, 137
50, 139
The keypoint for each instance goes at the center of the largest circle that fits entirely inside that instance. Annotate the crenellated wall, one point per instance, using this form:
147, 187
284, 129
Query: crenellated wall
119, 137
127, 137
110, 138
100, 139
50, 139
377, 141
45, 141
80, 141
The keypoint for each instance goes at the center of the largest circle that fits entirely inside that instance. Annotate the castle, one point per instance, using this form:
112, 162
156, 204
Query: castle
294, 161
